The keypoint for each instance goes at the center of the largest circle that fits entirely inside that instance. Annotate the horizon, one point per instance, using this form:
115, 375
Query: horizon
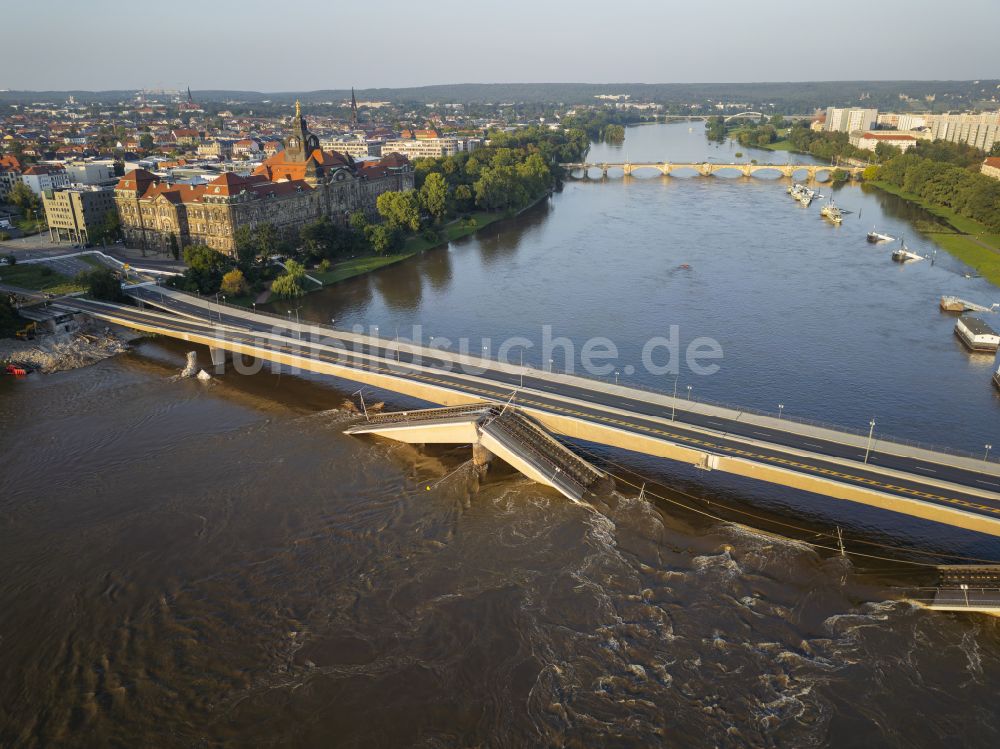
456, 84
645, 45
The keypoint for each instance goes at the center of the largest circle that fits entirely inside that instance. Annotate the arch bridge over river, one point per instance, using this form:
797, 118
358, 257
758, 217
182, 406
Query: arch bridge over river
709, 168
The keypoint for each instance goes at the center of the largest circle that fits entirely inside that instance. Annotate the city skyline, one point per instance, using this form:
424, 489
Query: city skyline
401, 47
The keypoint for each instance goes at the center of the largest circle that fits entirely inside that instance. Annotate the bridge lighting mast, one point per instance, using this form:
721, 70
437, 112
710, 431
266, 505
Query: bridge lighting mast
871, 431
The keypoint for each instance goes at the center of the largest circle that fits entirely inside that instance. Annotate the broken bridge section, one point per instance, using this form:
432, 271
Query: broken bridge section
498, 430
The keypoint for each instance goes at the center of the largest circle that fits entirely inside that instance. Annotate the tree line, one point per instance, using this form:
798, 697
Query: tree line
515, 169
605, 125
968, 193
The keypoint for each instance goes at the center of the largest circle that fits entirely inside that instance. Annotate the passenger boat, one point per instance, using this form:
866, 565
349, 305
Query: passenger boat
876, 236
996, 378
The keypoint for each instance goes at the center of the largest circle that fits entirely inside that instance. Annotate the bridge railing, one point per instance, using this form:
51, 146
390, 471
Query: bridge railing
803, 420
210, 300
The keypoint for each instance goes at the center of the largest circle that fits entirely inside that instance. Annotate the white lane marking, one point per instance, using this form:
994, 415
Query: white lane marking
921, 468
988, 483
762, 434
813, 444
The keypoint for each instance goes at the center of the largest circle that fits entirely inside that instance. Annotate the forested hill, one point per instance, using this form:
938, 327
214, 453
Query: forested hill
786, 97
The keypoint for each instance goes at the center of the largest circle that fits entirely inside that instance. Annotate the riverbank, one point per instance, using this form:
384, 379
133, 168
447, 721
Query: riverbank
412, 245
57, 353
966, 239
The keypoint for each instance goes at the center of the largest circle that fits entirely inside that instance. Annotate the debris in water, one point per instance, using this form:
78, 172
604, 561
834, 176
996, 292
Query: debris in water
191, 368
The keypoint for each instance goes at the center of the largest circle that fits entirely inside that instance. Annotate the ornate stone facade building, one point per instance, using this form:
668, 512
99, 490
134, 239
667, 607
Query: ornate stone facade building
292, 188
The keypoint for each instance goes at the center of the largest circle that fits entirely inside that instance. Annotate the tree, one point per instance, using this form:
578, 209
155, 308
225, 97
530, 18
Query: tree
401, 210
102, 283
205, 268
381, 237
614, 134
108, 230
358, 222
246, 247
464, 197
22, 196
146, 142
175, 249
266, 240
289, 284
498, 188
434, 196
234, 283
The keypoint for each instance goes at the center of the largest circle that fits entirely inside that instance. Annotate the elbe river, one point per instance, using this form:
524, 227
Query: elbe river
215, 564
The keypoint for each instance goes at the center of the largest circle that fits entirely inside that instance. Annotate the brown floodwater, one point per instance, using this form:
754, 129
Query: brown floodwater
216, 564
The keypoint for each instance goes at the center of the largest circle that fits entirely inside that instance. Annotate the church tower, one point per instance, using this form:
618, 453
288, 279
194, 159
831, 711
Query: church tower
354, 108
301, 143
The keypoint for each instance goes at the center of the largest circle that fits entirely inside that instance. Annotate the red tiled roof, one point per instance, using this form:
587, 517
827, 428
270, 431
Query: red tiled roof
137, 180
277, 167
889, 136
993, 161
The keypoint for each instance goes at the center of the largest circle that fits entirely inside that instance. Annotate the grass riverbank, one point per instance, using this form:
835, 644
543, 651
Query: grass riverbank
413, 245
38, 277
968, 240
780, 145
358, 266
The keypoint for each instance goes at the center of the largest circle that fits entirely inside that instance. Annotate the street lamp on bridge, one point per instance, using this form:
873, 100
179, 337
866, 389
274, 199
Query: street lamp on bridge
871, 431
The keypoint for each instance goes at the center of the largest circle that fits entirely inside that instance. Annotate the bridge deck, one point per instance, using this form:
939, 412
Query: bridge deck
935, 486
501, 428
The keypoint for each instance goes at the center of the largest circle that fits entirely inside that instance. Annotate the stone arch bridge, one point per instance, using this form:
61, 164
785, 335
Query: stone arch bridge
708, 168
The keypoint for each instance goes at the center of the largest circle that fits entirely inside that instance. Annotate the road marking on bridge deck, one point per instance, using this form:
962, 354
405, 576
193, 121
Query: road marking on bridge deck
681, 440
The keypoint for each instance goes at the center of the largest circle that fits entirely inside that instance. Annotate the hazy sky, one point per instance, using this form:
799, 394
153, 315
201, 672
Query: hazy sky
312, 44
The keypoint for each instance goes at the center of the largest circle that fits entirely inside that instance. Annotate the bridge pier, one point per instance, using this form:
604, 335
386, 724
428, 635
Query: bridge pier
218, 359
481, 457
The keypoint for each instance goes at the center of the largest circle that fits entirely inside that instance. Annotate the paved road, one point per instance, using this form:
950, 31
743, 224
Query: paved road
636, 401
971, 491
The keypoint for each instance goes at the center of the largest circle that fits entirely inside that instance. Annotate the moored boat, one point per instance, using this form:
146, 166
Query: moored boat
976, 334
903, 254
831, 212
877, 236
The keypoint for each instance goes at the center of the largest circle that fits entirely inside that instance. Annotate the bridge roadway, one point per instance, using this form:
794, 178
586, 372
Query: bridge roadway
955, 490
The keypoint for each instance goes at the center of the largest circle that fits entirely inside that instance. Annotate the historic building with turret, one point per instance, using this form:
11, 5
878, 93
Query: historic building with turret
294, 187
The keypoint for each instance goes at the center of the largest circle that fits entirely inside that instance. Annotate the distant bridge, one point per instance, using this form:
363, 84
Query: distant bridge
708, 168
746, 116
